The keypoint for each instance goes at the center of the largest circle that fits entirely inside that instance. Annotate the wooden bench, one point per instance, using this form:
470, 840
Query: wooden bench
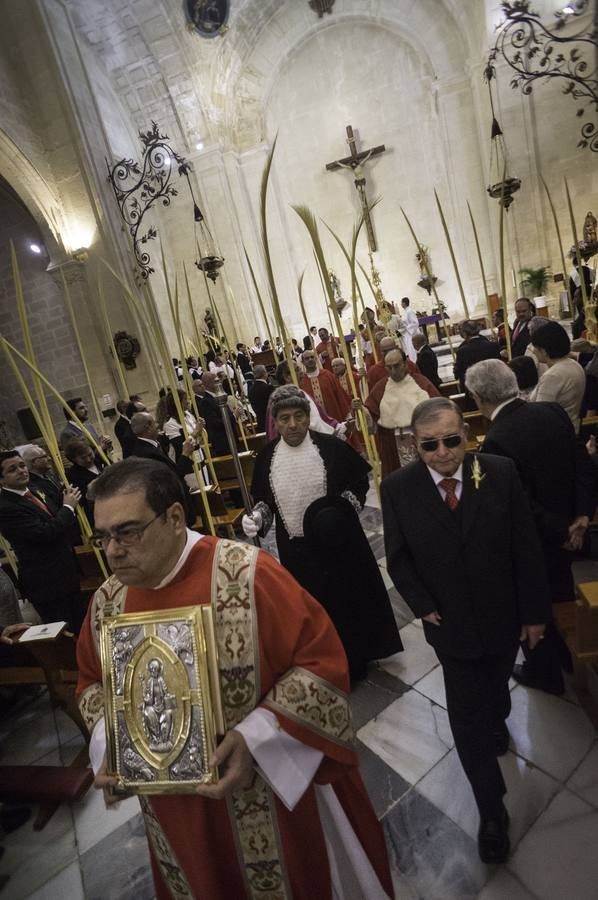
577, 622
447, 388
52, 662
478, 425
227, 474
222, 516
91, 576
255, 442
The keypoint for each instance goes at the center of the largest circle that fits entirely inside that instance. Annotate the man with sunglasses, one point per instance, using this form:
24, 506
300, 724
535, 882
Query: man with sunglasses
284, 691
462, 549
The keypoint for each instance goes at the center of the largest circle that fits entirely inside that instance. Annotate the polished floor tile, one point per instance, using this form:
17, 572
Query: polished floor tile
118, 867
550, 732
67, 885
93, 822
367, 701
584, 781
557, 858
32, 858
433, 859
432, 686
383, 784
410, 735
529, 792
416, 659
503, 885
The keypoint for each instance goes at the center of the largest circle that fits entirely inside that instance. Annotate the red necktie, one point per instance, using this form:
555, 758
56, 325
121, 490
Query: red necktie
30, 496
449, 486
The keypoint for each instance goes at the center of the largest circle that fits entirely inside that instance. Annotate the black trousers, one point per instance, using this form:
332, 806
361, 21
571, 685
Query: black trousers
478, 702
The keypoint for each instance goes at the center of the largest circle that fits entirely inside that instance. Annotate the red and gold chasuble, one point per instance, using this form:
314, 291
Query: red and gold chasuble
327, 392
277, 649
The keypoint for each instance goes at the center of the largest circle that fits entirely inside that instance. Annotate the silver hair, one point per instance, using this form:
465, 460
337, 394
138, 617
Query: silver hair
139, 422
288, 397
31, 452
430, 409
492, 381
260, 372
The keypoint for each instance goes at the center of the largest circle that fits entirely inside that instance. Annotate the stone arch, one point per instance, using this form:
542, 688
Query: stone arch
34, 191
246, 73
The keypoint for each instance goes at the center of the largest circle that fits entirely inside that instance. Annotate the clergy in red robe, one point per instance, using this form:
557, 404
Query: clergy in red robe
328, 348
289, 817
339, 370
390, 404
324, 387
379, 371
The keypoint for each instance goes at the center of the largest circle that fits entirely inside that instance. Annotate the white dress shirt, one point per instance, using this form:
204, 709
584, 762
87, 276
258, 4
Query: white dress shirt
437, 478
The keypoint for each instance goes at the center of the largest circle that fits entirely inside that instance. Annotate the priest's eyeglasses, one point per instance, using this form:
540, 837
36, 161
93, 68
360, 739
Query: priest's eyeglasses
124, 537
450, 441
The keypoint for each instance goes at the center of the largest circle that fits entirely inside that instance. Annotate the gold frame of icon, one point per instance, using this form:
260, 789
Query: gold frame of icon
163, 707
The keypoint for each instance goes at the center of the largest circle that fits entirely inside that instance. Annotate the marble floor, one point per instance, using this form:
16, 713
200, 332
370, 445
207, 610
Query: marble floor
411, 770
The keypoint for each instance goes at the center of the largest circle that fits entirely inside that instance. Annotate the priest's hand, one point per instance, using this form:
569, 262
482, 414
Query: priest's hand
433, 618
356, 404
235, 762
532, 634
107, 783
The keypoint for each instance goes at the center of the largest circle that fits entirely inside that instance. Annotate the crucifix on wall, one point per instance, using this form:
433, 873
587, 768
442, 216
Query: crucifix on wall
356, 162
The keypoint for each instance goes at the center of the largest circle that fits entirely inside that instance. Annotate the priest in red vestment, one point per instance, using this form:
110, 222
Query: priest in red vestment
324, 387
289, 818
379, 371
339, 370
390, 405
328, 348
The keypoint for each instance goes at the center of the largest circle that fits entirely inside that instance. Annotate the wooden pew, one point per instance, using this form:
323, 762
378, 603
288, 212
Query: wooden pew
222, 516
577, 621
226, 472
52, 662
449, 387
255, 442
478, 425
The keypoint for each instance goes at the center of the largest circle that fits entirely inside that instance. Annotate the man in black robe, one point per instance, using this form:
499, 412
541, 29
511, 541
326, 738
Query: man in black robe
314, 485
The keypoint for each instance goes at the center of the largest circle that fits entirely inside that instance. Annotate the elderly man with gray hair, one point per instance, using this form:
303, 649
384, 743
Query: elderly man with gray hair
462, 550
315, 485
560, 481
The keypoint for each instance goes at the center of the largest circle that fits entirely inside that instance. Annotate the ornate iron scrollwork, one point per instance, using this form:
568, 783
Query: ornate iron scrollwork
137, 187
534, 53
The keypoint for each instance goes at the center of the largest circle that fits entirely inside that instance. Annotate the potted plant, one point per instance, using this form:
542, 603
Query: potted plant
536, 281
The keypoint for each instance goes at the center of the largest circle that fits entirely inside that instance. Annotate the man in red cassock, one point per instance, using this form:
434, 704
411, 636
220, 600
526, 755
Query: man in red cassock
289, 818
324, 387
328, 348
389, 407
379, 371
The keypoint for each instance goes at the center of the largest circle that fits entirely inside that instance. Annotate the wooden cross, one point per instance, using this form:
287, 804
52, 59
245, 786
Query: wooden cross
356, 162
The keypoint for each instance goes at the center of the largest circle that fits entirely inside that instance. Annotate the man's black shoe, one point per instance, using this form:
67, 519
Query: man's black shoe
493, 838
501, 740
520, 675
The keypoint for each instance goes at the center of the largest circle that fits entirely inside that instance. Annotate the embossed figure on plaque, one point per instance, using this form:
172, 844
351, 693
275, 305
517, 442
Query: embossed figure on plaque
158, 706
179, 638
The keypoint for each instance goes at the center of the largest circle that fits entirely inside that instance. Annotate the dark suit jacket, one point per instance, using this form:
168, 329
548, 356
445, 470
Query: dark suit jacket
126, 438
48, 490
259, 394
554, 466
42, 543
480, 567
471, 352
209, 410
427, 363
182, 467
520, 344
82, 478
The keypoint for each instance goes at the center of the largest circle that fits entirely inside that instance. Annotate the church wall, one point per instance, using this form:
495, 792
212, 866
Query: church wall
52, 335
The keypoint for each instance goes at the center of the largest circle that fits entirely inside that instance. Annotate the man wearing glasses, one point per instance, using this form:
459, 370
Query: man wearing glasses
284, 690
462, 549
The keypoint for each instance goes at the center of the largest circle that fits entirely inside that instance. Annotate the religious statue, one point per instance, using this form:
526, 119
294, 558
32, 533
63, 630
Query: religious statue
209, 320
158, 706
336, 290
426, 281
590, 233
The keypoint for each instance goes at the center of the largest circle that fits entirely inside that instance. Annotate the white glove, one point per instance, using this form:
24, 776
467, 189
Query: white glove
251, 524
341, 431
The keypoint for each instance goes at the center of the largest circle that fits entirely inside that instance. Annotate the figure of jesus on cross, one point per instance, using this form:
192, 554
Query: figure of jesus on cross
356, 162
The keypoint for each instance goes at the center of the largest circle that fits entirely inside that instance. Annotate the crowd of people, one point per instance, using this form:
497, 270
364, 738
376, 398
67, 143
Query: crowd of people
479, 542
